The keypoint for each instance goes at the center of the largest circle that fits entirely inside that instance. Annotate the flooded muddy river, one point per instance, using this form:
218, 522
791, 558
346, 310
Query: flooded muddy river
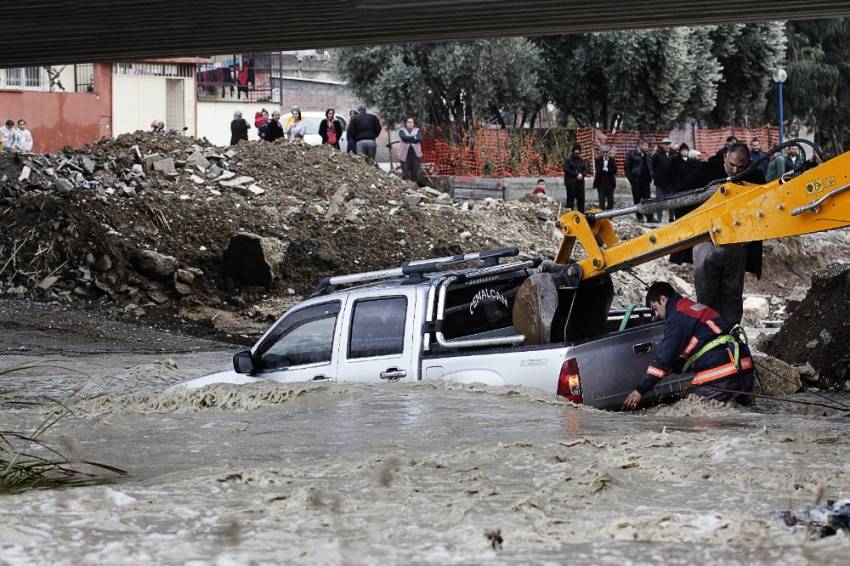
398, 473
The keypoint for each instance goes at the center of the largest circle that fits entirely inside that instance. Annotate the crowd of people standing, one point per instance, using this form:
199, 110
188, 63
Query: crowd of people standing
360, 134
16, 138
665, 168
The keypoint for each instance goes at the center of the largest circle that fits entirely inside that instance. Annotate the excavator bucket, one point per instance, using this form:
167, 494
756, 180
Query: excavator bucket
545, 313
534, 308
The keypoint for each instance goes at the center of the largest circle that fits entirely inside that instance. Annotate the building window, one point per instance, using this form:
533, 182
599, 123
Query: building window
154, 69
32, 77
13, 77
84, 78
26, 77
248, 77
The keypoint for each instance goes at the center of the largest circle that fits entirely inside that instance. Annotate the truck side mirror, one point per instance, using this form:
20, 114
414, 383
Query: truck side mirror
243, 362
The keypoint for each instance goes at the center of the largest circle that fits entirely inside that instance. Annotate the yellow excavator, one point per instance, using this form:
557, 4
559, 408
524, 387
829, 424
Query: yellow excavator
803, 201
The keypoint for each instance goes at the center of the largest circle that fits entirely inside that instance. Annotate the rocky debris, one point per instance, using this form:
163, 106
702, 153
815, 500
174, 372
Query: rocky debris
253, 260
154, 265
817, 331
78, 233
776, 377
756, 309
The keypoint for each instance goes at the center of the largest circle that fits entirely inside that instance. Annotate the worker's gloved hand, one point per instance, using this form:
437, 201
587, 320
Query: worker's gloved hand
632, 401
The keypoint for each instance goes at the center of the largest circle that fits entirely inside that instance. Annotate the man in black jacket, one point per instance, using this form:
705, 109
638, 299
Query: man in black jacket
684, 164
719, 270
605, 178
365, 128
575, 168
238, 128
639, 173
662, 171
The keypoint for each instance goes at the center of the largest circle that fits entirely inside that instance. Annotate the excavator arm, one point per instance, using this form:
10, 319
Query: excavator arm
815, 201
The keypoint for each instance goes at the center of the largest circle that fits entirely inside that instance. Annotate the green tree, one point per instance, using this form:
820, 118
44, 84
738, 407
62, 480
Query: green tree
660, 77
445, 83
818, 88
748, 53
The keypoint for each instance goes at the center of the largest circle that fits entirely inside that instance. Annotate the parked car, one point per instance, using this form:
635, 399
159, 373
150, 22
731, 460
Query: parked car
420, 322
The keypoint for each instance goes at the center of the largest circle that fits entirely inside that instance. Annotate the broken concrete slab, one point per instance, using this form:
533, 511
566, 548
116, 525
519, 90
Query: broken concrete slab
198, 161
165, 166
151, 159
225, 175
413, 199
252, 259
88, 163
237, 182
214, 171
25, 173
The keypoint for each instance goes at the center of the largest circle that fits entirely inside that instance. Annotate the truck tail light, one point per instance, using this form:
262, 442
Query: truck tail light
569, 381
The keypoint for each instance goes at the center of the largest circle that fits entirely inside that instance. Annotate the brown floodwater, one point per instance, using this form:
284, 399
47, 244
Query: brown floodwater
406, 473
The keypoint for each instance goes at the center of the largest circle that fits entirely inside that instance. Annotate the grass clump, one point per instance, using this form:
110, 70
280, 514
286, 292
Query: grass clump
28, 461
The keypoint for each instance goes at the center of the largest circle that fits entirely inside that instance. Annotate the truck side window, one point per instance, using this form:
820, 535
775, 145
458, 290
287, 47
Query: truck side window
304, 337
377, 328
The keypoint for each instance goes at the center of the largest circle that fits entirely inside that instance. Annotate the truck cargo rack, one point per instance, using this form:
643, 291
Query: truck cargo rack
415, 270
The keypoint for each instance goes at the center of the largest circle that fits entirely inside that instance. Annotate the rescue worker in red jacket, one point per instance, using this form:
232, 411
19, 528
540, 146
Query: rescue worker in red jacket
696, 339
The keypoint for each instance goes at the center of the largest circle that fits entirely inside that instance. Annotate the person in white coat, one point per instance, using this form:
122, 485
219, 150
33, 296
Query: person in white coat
23, 138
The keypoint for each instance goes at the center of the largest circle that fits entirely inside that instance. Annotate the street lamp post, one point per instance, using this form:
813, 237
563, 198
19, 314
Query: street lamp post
779, 75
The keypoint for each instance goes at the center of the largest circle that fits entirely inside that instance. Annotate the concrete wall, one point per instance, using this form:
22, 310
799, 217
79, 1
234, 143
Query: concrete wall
214, 119
58, 119
138, 100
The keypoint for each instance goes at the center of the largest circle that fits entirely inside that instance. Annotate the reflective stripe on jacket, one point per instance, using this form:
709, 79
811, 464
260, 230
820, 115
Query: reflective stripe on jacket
688, 327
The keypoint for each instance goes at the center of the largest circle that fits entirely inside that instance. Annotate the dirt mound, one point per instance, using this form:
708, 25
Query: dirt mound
817, 331
142, 222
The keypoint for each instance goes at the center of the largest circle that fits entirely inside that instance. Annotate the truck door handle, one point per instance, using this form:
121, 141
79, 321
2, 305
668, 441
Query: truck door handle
393, 374
320, 377
644, 348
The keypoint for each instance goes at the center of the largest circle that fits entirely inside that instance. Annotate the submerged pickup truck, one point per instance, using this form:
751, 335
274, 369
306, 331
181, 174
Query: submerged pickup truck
423, 321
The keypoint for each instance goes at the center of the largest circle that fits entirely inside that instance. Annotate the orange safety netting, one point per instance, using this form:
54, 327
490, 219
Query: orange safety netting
503, 152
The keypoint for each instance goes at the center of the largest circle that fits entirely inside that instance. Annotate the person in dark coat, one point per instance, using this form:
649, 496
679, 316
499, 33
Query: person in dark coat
638, 170
575, 169
684, 164
719, 270
605, 178
663, 173
793, 159
756, 153
351, 145
274, 129
330, 130
238, 128
365, 128
730, 141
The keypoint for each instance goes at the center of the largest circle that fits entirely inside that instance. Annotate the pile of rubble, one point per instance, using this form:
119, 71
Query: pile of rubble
817, 330
165, 223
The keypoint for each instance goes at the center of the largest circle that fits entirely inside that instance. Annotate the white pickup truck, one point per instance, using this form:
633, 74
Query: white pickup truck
422, 321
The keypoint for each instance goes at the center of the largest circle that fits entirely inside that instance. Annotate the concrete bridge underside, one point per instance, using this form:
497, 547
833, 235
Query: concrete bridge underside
38, 32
